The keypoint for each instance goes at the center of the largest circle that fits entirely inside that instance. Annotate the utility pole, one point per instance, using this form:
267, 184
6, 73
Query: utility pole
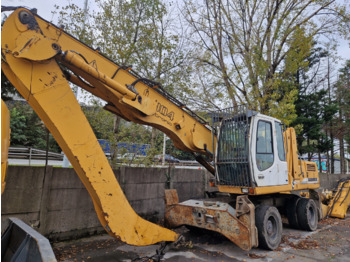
82, 33
331, 131
85, 14
164, 144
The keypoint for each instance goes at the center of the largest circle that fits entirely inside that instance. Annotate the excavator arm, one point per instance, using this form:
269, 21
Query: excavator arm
39, 59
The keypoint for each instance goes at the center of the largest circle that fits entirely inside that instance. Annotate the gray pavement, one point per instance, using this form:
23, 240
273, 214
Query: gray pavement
331, 242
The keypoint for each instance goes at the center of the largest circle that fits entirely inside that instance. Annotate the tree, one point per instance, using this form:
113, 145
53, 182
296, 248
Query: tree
7, 89
144, 34
141, 33
254, 48
27, 129
342, 92
17, 126
102, 123
312, 107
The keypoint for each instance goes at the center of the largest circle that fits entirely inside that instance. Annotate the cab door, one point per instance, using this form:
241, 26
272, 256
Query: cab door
268, 154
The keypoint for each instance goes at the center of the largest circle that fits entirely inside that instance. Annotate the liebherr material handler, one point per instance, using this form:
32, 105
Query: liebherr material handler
255, 158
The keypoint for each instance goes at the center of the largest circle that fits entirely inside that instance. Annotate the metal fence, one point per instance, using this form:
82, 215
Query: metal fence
33, 154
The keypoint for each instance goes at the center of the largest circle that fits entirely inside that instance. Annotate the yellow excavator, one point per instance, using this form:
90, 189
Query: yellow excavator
252, 157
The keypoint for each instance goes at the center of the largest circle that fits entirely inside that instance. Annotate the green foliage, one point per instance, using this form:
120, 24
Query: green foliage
17, 126
343, 98
27, 129
103, 125
312, 114
179, 154
141, 33
100, 120
7, 89
313, 106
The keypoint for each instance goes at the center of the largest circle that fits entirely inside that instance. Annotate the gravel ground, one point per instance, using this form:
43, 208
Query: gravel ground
331, 242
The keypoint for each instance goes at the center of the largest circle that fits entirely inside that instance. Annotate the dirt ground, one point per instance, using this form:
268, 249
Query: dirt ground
331, 242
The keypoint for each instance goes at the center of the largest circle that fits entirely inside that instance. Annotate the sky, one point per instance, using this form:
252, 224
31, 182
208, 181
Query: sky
45, 7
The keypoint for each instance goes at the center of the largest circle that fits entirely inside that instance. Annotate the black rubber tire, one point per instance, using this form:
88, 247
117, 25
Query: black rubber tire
291, 212
307, 214
269, 224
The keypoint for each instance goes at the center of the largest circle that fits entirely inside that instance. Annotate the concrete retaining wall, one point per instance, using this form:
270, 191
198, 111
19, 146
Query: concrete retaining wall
57, 204
330, 181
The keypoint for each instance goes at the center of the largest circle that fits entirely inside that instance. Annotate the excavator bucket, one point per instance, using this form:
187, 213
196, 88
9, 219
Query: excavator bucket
341, 201
20, 243
28, 61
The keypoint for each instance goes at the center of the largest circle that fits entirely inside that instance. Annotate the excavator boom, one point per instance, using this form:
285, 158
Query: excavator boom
38, 58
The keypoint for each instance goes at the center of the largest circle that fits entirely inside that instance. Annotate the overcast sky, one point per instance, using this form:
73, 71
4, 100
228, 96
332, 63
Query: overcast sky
45, 7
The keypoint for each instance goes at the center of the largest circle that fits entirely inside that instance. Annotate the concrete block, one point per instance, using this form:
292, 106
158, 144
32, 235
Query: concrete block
67, 199
31, 219
66, 208
187, 175
143, 191
75, 234
136, 175
24, 177
20, 201
188, 190
150, 208
117, 173
329, 181
68, 220
65, 178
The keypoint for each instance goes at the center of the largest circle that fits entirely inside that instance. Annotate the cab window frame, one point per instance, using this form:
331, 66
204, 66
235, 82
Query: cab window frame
262, 166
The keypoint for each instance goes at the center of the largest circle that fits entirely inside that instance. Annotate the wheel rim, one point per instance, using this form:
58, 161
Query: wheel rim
271, 228
311, 215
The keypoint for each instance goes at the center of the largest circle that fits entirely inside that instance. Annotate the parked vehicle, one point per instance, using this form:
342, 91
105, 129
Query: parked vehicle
168, 158
132, 156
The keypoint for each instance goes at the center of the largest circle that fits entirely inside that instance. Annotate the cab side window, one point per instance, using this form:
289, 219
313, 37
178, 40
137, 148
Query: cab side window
280, 142
264, 145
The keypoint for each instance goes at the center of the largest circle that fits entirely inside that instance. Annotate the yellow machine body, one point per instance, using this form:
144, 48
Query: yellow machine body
340, 200
28, 50
5, 141
39, 59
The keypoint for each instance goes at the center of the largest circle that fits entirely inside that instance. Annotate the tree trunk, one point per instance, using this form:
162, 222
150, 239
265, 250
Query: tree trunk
153, 138
320, 162
341, 138
328, 167
342, 156
332, 150
308, 153
116, 126
331, 131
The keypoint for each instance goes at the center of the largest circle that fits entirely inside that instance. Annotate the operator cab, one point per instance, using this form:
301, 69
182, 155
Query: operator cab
250, 150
